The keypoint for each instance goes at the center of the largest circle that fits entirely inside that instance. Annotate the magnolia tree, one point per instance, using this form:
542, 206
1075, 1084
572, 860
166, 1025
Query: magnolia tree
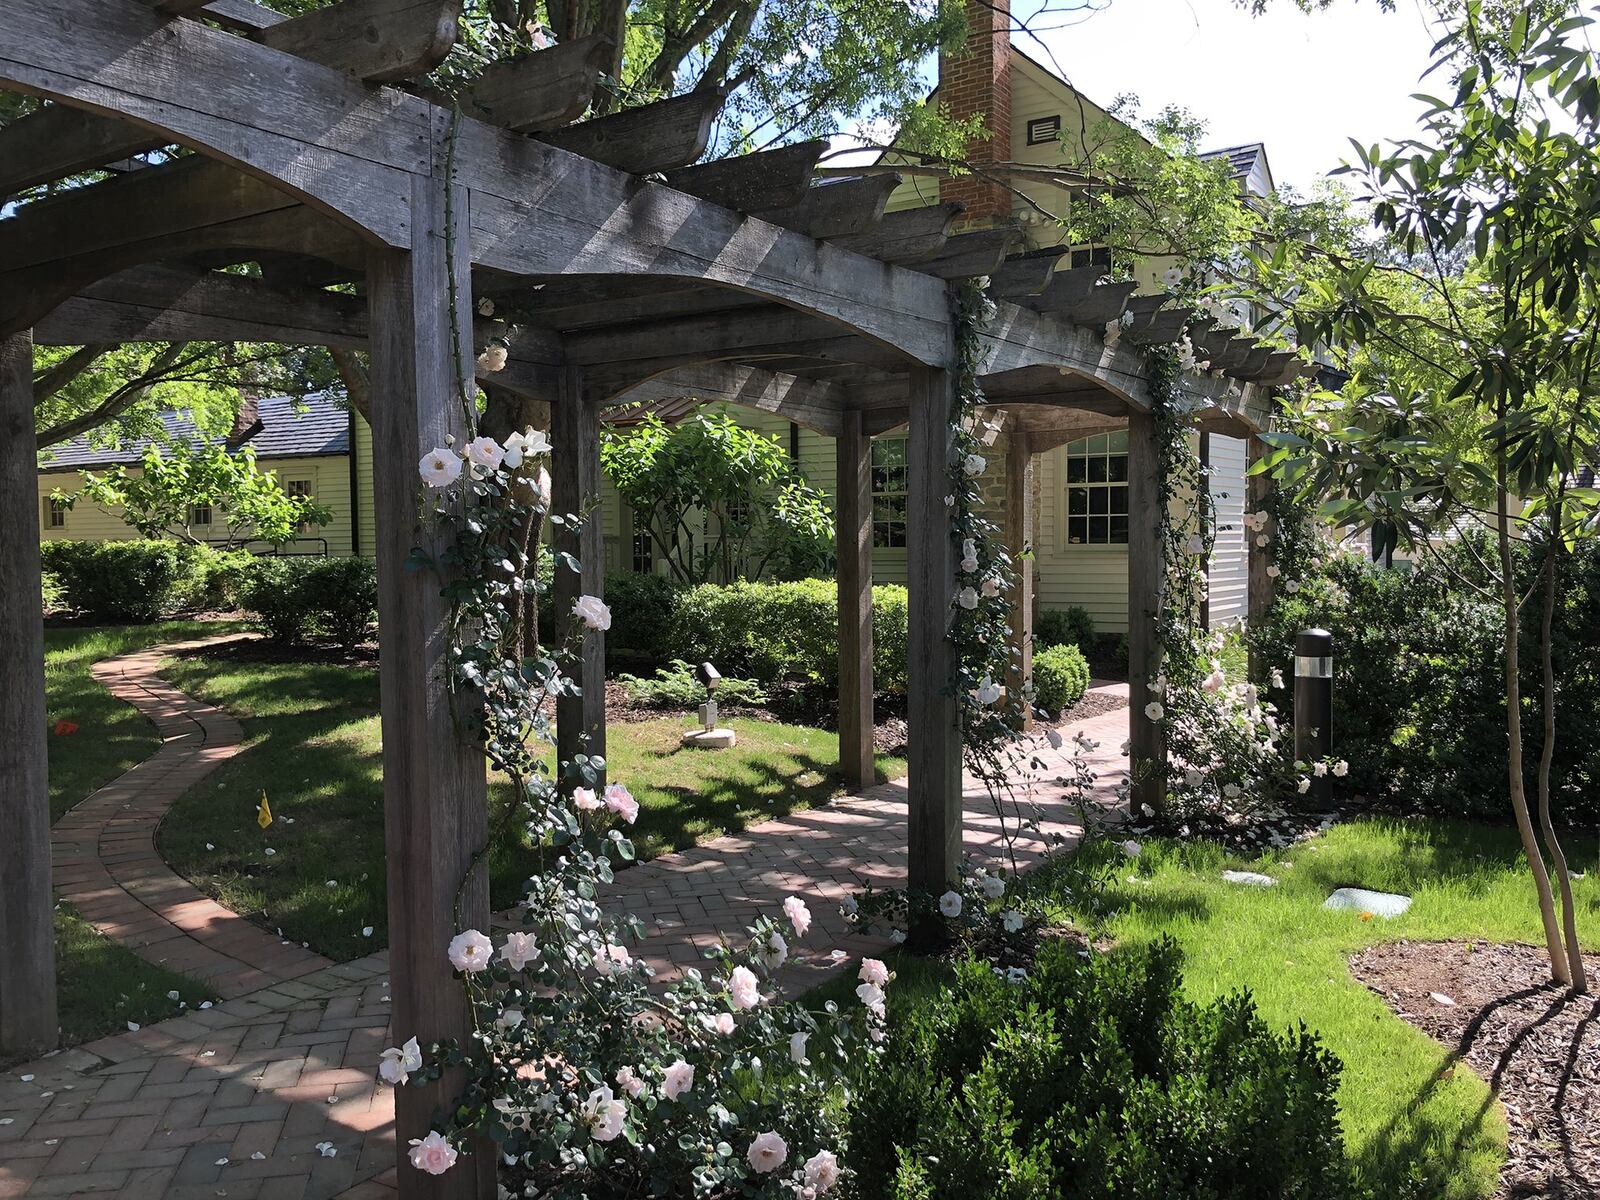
1471, 328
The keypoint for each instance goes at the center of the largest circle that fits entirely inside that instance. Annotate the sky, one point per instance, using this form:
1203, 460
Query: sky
1302, 83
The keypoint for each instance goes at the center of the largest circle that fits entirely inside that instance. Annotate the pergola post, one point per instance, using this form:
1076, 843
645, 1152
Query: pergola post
933, 759
435, 814
28, 1022
575, 486
1147, 737
853, 524
1259, 587
1019, 518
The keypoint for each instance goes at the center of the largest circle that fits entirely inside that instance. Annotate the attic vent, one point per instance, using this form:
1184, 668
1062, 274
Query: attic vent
1044, 129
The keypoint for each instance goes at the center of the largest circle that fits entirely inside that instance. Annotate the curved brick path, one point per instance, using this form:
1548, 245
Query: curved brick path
235, 1100
104, 851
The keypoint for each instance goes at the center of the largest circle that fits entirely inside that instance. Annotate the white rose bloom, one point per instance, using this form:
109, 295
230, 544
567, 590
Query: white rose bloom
1011, 919
1303, 786
1154, 711
603, 1114
493, 358
967, 598
974, 465
822, 1172
1132, 849
439, 467
950, 904
992, 886
485, 452
592, 611
797, 1049
470, 951
1273, 571
1341, 768
486, 307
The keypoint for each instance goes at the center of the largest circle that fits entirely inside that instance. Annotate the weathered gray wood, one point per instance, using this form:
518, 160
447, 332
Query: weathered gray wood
57, 141
1251, 364
1067, 288
811, 403
27, 943
435, 808
575, 489
837, 208
1104, 303
177, 8
753, 182
1020, 518
1260, 587
908, 235
1024, 276
340, 145
1164, 326
376, 40
933, 758
769, 329
853, 533
653, 137
243, 15
969, 254
1147, 737
542, 90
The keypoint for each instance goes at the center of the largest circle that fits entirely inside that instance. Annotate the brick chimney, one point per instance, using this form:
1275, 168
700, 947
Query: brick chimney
977, 79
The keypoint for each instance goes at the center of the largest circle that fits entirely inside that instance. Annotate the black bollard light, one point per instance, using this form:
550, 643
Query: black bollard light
1313, 708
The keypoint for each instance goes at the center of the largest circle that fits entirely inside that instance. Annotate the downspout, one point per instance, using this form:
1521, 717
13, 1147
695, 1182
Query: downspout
355, 491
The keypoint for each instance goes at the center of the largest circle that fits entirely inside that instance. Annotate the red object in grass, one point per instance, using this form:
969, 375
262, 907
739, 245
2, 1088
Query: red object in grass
64, 727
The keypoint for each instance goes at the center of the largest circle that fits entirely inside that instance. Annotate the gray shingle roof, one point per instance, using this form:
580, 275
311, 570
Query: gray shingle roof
1241, 159
286, 428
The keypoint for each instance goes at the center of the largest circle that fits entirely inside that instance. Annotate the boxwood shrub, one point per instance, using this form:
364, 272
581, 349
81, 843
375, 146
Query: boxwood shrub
131, 581
1093, 1078
1065, 627
297, 599
1060, 677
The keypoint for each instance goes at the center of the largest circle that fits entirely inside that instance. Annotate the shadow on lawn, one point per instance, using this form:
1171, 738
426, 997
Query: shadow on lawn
1429, 853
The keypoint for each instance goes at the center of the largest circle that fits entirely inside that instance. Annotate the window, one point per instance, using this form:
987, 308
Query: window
199, 514
889, 492
1043, 129
1097, 490
644, 559
56, 513
300, 489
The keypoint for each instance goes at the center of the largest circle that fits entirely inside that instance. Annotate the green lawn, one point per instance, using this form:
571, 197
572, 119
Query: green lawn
314, 745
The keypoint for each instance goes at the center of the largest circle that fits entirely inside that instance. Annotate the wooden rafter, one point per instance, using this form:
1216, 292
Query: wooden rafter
653, 137
772, 179
542, 90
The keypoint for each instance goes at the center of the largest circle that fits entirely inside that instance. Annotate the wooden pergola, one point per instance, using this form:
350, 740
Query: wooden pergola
621, 268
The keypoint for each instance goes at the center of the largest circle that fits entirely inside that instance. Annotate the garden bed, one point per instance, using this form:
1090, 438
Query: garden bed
1538, 1048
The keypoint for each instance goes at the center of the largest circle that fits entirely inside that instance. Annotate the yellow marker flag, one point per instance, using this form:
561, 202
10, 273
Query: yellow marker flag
264, 813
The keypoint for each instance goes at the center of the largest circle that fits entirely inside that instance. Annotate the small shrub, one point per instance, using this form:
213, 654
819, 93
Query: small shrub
675, 686
51, 592
224, 575
296, 599
1060, 677
1065, 627
1094, 1078
133, 581
641, 616
273, 595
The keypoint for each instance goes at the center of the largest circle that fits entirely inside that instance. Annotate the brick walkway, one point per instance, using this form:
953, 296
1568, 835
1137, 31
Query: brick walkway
236, 1100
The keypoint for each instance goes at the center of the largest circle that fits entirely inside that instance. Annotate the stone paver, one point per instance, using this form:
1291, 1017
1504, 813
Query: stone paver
236, 1099
104, 851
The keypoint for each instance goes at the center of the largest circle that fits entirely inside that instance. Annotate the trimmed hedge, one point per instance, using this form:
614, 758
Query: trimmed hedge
1065, 627
1094, 1079
133, 582
297, 599
1060, 677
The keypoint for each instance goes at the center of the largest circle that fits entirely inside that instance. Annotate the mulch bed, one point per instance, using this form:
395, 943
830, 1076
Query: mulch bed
1538, 1048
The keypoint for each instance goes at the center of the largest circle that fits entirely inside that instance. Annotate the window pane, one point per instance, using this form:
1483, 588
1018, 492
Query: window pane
1098, 530
1077, 530
1117, 442
1075, 470
890, 453
1077, 500
1097, 469
1119, 531
1117, 467
1119, 499
1099, 500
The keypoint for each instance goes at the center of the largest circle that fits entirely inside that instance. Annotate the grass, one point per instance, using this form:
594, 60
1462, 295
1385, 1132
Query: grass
314, 745
102, 985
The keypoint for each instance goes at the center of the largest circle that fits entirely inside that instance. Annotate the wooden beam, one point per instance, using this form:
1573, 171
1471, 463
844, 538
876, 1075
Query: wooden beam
837, 208
1019, 534
1067, 288
1103, 303
1147, 737
539, 91
648, 347
969, 254
575, 487
57, 141
28, 1025
933, 758
1252, 364
907, 235
1164, 326
243, 15
652, 137
376, 40
1024, 276
853, 535
815, 404
753, 182
434, 787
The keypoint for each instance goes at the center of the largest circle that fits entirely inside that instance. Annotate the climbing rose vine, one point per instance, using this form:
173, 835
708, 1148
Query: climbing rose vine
586, 1076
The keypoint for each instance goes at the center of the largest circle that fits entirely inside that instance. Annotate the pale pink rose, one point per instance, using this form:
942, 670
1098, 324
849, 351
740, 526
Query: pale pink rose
677, 1079
797, 1049
586, 800
799, 915
871, 995
493, 358
874, 971
767, 1153
485, 452
592, 611
743, 988
991, 587
620, 801
520, 949
399, 1061
470, 951
822, 1171
439, 467
603, 1113
612, 959
630, 1082
432, 1154
721, 1023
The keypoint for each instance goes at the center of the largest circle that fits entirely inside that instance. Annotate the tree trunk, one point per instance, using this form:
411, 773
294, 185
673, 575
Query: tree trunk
1552, 844
1519, 788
